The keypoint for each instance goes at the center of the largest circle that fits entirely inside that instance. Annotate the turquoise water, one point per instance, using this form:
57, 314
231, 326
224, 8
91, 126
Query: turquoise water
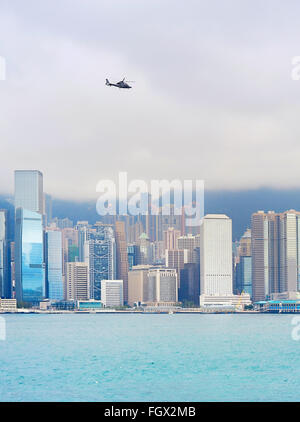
149, 358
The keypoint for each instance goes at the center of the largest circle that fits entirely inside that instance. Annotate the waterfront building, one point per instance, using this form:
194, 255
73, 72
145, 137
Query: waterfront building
29, 256
8, 305
54, 265
162, 285
275, 253
216, 255
137, 284
89, 305
77, 281
112, 293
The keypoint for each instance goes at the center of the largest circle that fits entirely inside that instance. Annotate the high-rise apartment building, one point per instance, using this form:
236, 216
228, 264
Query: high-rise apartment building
275, 253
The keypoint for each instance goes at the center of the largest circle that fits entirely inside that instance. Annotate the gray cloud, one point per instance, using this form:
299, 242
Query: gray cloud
213, 97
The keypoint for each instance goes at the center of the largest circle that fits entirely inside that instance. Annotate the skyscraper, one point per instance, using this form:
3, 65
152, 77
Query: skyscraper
54, 265
216, 255
29, 256
29, 190
5, 281
100, 254
77, 281
170, 238
112, 293
275, 253
122, 257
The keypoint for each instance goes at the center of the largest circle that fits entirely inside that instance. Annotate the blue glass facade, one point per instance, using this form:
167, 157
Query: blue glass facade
54, 277
244, 275
29, 256
5, 284
101, 255
132, 251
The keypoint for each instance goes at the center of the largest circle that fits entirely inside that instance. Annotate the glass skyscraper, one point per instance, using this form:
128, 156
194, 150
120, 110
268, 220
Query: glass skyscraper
29, 190
29, 256
54, 277
100, 254
5, 284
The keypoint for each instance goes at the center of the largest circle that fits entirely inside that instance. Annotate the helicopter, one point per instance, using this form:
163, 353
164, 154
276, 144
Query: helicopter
121, 84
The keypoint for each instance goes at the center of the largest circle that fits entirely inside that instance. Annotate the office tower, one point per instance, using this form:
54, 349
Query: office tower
121, 257
48, 209
83, 228
148, 284
12, 270
29, 190
5, 278
244, 275
243, 266
112, 293
189, 290
158, 252
189, 244
137, 284
132, 251
77, 281
175, 260
100, 254
69, 244
162, 286
145, 250
245, 244
54, 265
216, 255
186, 242
29, 256
134, 231
170, 238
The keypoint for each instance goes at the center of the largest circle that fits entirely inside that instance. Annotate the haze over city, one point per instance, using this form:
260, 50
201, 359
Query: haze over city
213, 96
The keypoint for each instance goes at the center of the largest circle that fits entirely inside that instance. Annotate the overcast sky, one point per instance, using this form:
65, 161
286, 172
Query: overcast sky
213, 97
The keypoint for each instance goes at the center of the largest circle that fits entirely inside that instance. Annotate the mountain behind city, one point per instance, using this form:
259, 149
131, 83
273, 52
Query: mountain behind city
238, 205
